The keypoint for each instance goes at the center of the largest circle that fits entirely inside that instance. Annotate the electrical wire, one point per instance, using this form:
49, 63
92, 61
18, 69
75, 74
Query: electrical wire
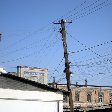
90, 11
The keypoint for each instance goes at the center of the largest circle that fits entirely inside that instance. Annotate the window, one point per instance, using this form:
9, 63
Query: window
77, 95
100, 96
89, 97
110, 98
100, 99
65, 98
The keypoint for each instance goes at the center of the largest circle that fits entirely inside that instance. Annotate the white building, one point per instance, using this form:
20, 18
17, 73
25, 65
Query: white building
2, 70
33, 73
22, 95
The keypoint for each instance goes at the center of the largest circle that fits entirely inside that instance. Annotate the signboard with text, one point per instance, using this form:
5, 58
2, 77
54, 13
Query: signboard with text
33, 73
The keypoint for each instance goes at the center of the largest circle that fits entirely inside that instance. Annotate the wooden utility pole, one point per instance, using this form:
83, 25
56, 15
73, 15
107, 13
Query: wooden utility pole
67, 66
0, 36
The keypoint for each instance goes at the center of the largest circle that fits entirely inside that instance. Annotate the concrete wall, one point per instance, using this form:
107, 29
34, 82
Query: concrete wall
30, 101
33, 73
21, 96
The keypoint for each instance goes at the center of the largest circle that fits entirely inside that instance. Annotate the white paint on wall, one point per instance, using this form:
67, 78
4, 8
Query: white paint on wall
2, 70
27, 106
30, 101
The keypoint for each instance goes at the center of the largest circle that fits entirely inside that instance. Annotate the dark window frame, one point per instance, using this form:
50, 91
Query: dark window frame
77, 96
89, 96
110, 99
100, 97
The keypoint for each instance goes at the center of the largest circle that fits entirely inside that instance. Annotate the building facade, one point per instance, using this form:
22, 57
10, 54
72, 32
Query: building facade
19, 95
92, 95
33, 73
88, 98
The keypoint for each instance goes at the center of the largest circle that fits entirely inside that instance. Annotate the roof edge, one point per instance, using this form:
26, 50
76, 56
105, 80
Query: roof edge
33, 83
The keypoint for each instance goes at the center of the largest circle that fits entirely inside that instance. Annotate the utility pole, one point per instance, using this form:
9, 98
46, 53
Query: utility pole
0, 36
54, 82
85, 82
67, 66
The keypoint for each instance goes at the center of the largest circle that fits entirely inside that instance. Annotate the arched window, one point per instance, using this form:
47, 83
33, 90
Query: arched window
100, 96
89, 97
77, 95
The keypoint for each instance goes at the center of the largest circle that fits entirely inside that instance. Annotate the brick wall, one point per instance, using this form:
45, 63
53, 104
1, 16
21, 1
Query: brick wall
94, 94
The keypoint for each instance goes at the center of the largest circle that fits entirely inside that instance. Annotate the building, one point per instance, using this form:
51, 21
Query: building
33, 73
18, 94
87, 98
2, 70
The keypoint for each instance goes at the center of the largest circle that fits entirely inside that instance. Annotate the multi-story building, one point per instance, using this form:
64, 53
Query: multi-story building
33, 73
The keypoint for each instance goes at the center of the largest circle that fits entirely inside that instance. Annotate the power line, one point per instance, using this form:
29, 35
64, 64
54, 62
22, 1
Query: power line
56, 68
90, 59
28, 35
92, 47
46, 46
90, 11
23, 57
83, 9
95, 63
87, 85
68, 13
31, 46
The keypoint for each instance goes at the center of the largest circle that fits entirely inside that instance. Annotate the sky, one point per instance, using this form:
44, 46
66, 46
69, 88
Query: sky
29, 38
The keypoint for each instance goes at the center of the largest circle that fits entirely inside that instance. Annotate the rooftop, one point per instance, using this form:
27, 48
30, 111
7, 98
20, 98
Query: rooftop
33, 83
